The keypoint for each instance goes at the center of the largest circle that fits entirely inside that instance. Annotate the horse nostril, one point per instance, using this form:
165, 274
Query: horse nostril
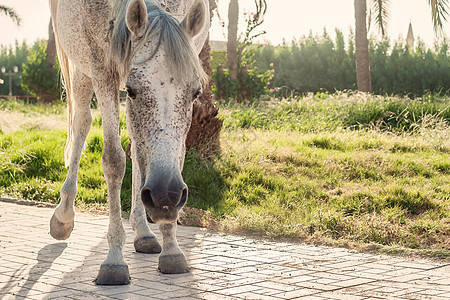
146, 196
153, 198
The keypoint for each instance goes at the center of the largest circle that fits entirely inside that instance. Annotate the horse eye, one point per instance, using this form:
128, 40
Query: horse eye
197, 93
130, 92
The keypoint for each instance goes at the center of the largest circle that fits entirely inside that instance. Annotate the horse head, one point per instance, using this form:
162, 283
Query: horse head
164, 79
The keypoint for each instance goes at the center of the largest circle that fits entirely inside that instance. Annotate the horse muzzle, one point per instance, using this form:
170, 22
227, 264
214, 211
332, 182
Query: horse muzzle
163, 202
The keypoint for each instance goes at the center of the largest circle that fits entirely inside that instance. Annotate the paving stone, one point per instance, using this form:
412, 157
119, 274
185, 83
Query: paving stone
34, 266
313, 284
299, 292
214, 296
255, 296
275, 286
338, 295
61, 293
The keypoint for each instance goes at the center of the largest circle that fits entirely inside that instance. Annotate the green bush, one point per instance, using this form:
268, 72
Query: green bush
252, 83
218, 58
10, 57
38, 77
341, 110
312, 64
399, 70
316, 63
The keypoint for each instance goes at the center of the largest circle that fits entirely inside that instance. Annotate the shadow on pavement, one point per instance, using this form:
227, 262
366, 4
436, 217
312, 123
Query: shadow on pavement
45, 258
146, 280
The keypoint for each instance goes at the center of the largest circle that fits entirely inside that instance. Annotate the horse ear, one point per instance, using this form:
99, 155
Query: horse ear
195, 20
136, 17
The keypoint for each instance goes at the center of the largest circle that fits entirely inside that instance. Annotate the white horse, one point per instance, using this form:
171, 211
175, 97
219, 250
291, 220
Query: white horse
150, 49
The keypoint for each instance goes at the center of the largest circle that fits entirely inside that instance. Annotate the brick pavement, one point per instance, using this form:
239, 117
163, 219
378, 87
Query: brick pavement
35, 266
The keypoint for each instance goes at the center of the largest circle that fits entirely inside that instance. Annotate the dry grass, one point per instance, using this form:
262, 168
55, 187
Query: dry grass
12, 121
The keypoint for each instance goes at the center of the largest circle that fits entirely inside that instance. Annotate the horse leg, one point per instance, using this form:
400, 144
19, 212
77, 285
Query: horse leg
145, 240
114, 270
171, 259
61, 223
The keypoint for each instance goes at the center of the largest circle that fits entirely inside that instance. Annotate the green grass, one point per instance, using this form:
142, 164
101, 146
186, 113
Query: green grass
341, 110
339, 169
32, 167
18, 105
280, 184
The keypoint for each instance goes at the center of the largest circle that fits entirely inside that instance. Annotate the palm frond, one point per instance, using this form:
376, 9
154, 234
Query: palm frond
439, 13
381, 11
261, 8
11, 13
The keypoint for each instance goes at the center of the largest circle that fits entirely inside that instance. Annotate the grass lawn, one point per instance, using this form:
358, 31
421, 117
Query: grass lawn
347, 169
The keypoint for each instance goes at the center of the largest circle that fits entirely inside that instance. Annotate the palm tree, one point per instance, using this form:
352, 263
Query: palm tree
232, 59
254, 21
11, 13
204, 134
362, 47
439, 13
51, 46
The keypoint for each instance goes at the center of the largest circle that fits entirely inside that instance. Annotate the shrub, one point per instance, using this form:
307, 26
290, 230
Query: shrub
218, 58
38, 77
315, 63
312, 64
251, 83
10, 57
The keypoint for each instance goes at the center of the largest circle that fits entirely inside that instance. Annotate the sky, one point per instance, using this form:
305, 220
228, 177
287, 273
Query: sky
285, 19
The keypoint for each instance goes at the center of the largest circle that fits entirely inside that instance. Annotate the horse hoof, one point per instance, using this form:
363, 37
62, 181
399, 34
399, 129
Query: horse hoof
113, 275
60, 230
147, 244
173, 264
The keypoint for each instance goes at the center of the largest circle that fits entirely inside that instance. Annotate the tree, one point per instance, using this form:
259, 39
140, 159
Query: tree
9, 58
233, 19
11, 13
51, 46
37, 78
439, 13
204, 134
362, 47
234, 46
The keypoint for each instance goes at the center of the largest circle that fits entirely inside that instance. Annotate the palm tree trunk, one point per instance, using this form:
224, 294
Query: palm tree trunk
204, 134
362, 47
51, 47
233, 18
51, 61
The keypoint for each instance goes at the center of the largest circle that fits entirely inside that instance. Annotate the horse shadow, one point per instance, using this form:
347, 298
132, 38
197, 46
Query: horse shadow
45, 258
146, 280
